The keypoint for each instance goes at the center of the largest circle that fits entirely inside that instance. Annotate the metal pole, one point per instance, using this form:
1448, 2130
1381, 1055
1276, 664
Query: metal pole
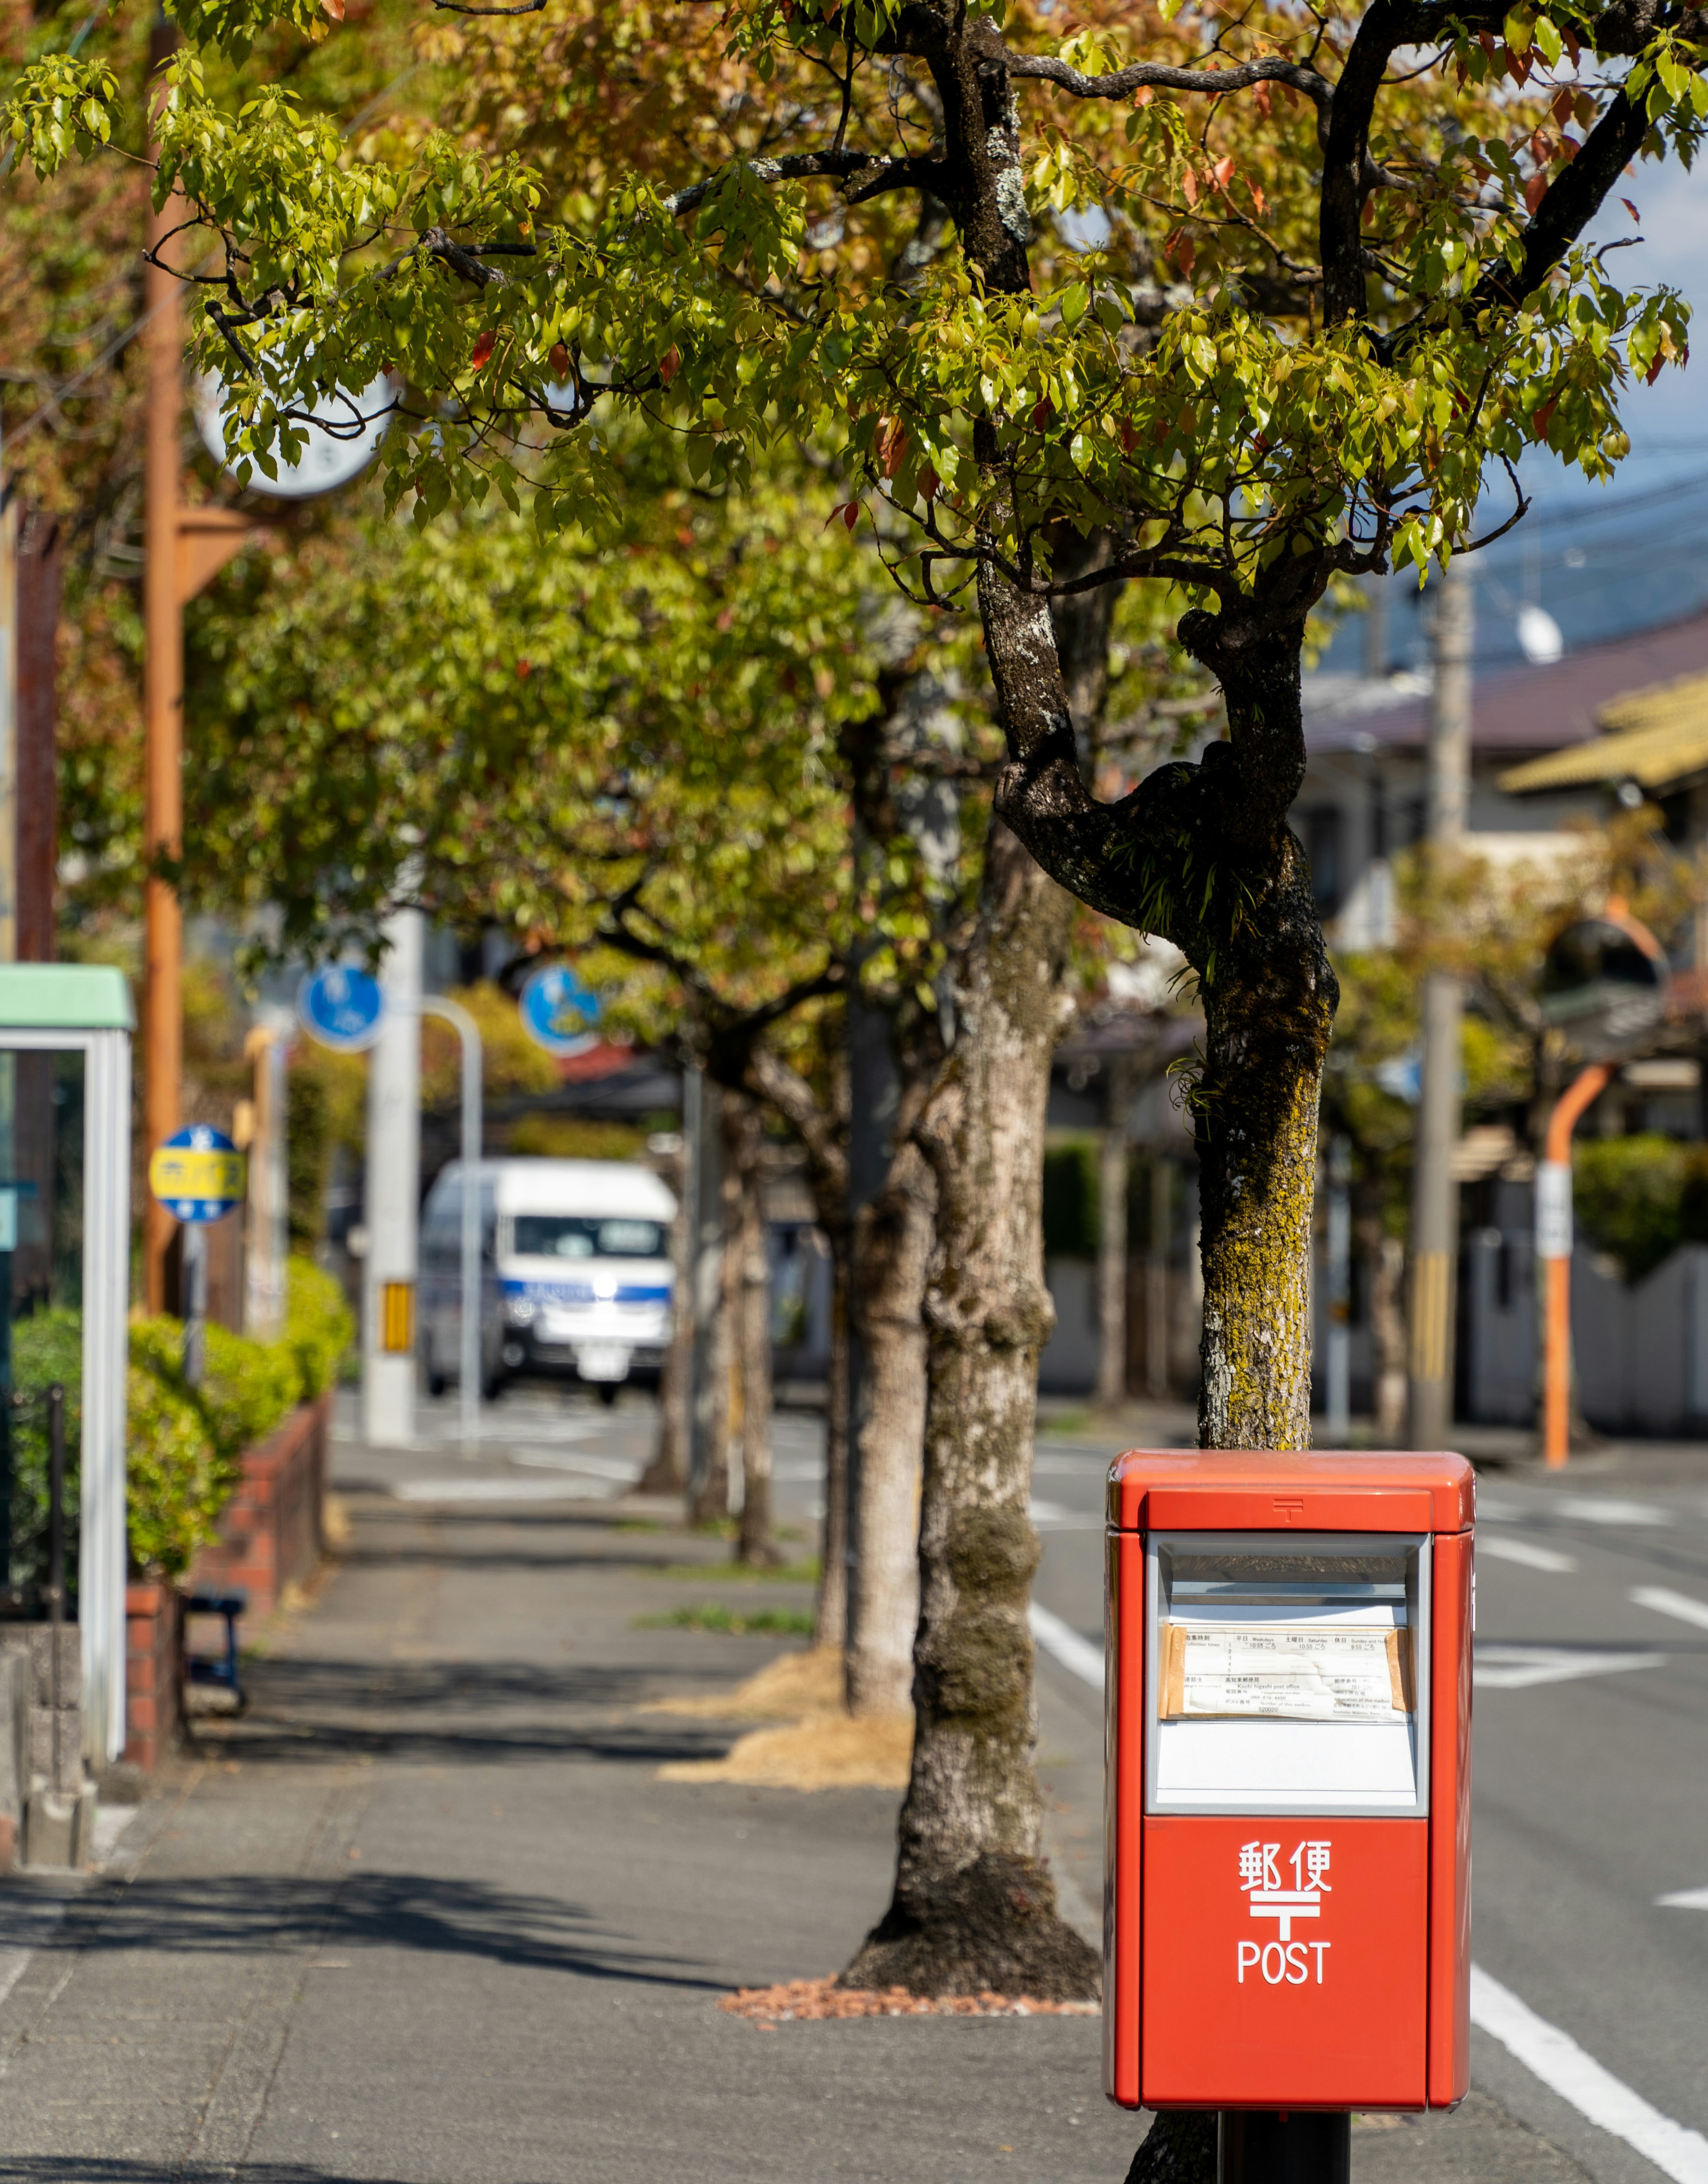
1434, 1205
195, 1264
56, 1549
468, 1351
1279, 2146
163, 705
1553, 1249
1337, 1422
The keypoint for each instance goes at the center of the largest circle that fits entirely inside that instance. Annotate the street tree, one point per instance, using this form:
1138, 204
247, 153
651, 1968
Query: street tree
1336, 271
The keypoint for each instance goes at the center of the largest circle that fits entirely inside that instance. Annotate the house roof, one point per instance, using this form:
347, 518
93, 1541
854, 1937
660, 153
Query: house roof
1655, 738
1533, 710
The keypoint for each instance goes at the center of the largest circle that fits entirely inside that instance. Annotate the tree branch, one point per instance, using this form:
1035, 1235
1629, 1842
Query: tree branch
1122, 83
862, 176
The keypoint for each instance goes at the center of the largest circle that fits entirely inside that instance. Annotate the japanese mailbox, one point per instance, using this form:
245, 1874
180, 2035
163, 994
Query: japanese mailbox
1288, 1873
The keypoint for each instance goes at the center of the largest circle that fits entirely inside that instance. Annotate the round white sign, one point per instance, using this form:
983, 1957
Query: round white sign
330, 459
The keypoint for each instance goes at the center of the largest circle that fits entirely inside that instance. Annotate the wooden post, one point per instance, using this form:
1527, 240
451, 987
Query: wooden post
1553, 1249
163, 821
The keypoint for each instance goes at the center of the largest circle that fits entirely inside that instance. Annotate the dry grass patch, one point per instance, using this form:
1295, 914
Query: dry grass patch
804, 2000
815, 1747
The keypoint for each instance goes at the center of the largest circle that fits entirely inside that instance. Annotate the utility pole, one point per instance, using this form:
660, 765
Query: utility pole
393, 1195
1434, 1208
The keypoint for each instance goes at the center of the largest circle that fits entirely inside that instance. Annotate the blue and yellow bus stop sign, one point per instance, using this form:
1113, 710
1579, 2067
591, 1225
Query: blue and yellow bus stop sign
197, 1175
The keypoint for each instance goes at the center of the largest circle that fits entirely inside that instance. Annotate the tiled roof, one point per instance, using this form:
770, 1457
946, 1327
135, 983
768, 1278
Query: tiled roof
1535, 708
1657, 737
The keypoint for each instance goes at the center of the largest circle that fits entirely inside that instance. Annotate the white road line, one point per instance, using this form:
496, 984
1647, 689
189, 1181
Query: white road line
1569, 2070
1686, 1899
1053, 1517
1526, 1552
1517, 1668
1077, 1655
1595, 1509
1673, 1603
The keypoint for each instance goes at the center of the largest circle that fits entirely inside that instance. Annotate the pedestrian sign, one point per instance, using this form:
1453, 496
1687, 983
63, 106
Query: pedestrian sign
197, 1175
342, 1007
560, 1013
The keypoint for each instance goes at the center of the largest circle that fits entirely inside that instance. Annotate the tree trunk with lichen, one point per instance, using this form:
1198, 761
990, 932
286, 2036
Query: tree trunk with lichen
892, 1256
973, 1904
752, 1286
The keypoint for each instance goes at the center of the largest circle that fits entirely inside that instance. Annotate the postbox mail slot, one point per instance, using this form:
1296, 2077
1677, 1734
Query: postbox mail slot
1282, 1672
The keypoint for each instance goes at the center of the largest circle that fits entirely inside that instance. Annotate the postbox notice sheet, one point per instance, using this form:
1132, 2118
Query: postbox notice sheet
1210, 1669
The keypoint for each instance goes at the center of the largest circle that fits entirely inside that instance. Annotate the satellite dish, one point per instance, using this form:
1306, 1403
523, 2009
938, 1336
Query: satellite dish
331, 458
1539, 634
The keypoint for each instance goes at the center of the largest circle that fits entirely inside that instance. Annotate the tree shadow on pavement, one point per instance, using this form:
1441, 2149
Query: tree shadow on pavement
227, 1914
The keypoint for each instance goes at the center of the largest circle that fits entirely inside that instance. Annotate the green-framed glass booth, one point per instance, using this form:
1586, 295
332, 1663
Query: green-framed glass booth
64, 1289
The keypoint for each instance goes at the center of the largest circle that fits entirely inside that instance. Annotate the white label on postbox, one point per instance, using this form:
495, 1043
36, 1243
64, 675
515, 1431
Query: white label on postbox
1554, 1209
1312, 1674
1283, 1961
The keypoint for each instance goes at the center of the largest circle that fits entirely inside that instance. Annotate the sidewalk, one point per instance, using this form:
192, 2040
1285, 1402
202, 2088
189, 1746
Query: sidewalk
426, 1914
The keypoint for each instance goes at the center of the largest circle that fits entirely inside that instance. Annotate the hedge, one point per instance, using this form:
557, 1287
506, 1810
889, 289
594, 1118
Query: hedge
1640, 1198
184, 1446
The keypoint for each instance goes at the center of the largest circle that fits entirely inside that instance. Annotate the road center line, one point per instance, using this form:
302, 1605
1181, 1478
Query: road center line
1672, 1603
1570, 2072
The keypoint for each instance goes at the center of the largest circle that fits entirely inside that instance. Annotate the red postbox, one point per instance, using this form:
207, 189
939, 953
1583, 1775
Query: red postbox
1287, 1899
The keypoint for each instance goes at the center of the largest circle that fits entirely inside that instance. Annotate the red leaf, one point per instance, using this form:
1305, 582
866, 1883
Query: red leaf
669, 365
1189, 185
1145, 93
851, 514
892, 444
1631, 209
1223, 172
1534, 191
1569, 149
1561, 108
1569, 39
524, 668
559, 360
1263, 100
335, 8
1129, 439
1518, 67
1654, 371
1179, 252
1486, 39
1544, 417
1041, 414
929, 484
1259, 198
482, 350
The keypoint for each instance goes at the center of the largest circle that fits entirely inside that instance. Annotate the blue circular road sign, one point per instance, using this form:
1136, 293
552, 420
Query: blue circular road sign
341, 1007
198, 1174
559, 1013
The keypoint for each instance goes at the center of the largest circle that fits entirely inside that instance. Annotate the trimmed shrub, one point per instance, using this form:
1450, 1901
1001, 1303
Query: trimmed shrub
175, 1484
184, 1446
319, 1325
1640, 1198
47, 1347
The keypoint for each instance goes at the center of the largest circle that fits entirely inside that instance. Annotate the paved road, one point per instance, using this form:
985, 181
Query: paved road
1590, 1766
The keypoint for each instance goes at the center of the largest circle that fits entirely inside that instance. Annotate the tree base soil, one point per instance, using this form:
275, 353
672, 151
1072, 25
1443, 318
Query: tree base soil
803, 2001
992, 1927
820, 1747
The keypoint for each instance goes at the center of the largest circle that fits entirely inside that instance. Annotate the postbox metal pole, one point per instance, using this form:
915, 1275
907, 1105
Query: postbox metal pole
1281, 2146
1553, 1249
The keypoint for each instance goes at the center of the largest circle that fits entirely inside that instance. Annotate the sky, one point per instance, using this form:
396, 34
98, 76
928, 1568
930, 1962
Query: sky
1602, 559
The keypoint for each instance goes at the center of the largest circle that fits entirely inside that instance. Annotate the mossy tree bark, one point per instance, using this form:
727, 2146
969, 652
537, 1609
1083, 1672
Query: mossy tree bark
974, 1906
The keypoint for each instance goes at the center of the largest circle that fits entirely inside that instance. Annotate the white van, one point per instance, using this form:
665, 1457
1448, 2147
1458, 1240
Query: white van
576, 1272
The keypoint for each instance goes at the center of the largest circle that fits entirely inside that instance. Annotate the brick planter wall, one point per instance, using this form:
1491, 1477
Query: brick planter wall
153, 1671
271, 1531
